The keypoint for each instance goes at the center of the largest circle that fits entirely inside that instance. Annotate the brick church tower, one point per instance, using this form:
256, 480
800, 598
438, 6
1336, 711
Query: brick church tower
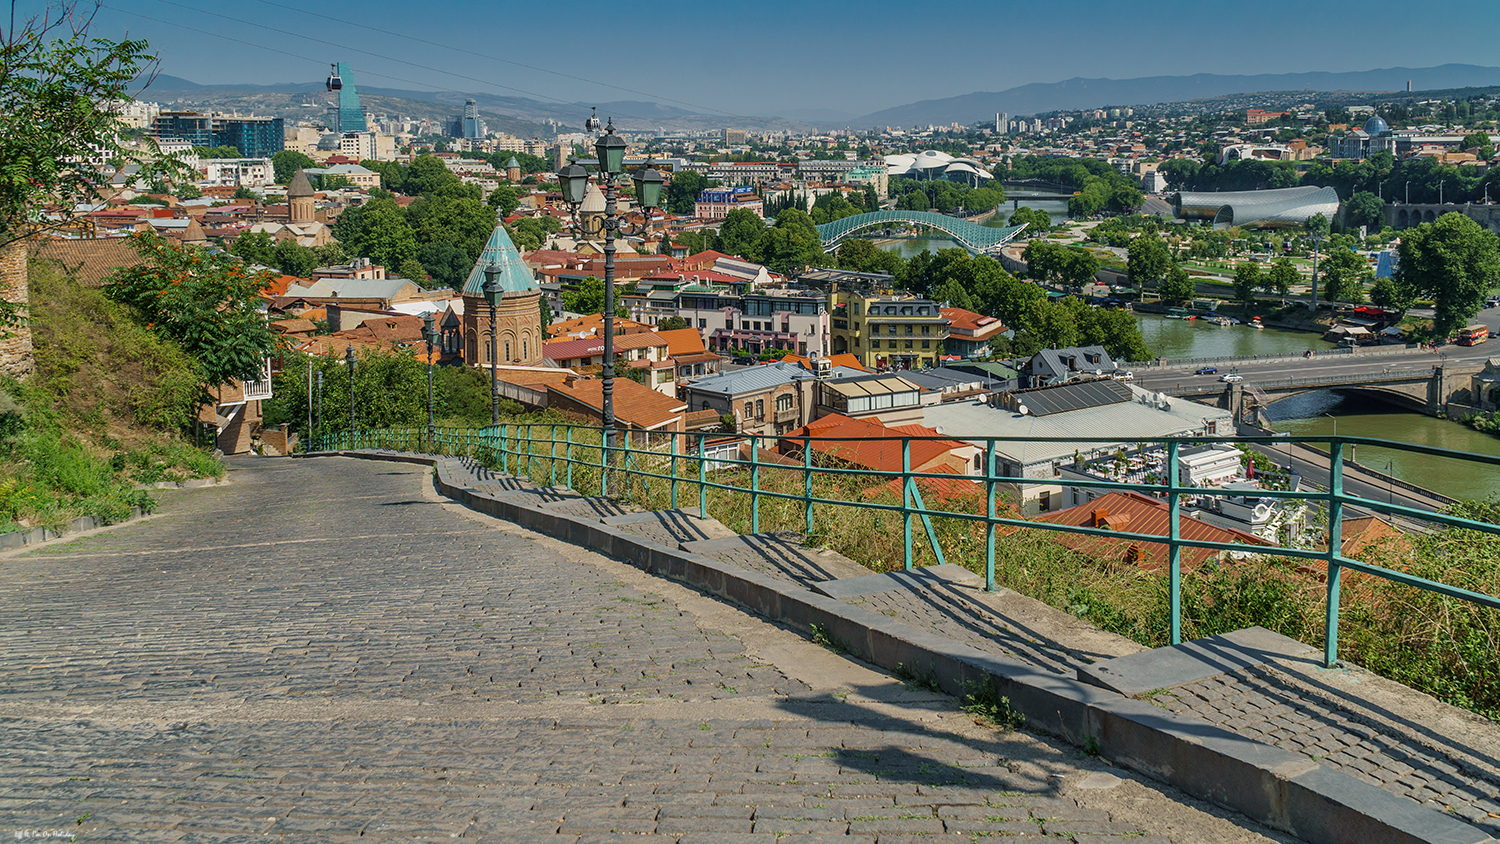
299, 197
518, 315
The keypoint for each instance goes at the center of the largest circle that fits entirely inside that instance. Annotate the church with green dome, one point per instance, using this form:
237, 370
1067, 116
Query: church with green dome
518, 315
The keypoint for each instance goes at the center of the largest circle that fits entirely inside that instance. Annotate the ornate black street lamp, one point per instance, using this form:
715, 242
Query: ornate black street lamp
349, 359
429, 336
492, 294
610, 151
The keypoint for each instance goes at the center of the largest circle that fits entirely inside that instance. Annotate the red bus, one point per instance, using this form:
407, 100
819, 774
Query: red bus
1473, 335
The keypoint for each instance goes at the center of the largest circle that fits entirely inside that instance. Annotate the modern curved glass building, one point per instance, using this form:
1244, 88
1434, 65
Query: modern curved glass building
1279, 208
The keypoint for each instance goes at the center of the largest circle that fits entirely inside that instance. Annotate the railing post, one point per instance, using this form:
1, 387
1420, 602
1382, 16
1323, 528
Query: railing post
1335, 548
504, 456
673, 436
552, 455
568, 451
702, 476
807, 486
754, 486
604, 441
1174, 533
989, 510
906, 499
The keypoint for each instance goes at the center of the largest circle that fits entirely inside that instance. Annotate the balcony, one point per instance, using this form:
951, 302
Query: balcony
788, 415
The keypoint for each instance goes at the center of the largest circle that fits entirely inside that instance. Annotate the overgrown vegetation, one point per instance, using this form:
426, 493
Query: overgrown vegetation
104, 411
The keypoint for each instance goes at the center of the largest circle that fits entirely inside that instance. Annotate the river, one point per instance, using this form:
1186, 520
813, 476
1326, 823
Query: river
1309, 414
1198, 338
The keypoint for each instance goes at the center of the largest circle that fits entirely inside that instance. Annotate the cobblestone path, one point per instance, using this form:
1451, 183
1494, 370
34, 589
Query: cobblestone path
326, 651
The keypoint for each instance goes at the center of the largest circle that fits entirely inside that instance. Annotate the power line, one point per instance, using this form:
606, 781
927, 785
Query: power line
454, 49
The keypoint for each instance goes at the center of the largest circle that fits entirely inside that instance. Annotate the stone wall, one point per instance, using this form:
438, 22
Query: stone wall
16, 359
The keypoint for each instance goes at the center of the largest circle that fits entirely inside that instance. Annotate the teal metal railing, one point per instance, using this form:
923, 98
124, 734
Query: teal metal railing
574, 457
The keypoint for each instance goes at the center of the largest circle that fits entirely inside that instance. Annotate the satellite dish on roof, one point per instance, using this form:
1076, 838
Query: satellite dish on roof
1022, 409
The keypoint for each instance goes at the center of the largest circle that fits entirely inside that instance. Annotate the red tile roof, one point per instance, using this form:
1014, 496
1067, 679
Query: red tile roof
682, 341
853, 441
634, 403
1137, 513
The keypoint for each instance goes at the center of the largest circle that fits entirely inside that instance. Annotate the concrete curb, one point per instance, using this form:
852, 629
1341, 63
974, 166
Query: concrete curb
20, 539
195, 483
1284, 790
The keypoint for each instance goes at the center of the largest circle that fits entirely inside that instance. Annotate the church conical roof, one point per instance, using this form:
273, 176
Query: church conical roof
515, 276
300, 186
512, 163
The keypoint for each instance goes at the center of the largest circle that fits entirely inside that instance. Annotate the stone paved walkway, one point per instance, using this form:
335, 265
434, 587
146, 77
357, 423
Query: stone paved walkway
323, 650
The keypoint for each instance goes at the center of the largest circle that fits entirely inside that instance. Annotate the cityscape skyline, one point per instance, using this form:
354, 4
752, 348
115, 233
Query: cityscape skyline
446, 49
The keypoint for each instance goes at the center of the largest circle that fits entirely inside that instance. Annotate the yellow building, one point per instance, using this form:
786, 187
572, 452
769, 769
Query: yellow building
888, 330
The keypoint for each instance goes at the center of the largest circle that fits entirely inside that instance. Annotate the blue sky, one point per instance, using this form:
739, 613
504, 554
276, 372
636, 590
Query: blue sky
760, 58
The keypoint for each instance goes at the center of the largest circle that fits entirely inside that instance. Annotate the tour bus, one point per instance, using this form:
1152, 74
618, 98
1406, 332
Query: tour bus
1473, 335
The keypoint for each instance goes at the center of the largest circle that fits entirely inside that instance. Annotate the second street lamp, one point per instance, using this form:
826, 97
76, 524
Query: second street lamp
428, 336
574, 178
492, 294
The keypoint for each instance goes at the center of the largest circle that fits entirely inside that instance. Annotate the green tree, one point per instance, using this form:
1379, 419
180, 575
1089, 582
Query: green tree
1317, 226
446, 263
682, 192
218, 152
503, 199
916, 201
1454, 262
1344, 273
1282, 276
1036, 220
863, 256
1365, 209
256, 248
1386, 294
1148, 260
1178, 286
385, 237
1247, 279
286, 164
243, 192
587, 298
294, 259
740, 234
792, 244
208, 302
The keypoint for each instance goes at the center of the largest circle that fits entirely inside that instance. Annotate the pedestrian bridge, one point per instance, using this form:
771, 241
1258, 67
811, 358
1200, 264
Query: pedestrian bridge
973, 237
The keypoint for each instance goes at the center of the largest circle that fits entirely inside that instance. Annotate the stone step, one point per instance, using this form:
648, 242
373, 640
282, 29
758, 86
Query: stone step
923, 578
780, 555
672, 528
589, 508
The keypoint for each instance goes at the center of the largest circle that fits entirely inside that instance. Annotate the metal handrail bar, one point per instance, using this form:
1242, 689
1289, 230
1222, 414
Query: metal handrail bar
505, 445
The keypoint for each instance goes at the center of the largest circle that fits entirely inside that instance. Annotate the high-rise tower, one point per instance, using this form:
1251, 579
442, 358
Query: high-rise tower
351, 116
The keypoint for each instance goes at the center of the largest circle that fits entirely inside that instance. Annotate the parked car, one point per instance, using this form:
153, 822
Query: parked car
1124, 376
1231, 378
1206, 370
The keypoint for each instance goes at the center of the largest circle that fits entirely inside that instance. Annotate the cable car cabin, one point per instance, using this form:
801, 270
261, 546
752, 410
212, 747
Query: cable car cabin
334, 82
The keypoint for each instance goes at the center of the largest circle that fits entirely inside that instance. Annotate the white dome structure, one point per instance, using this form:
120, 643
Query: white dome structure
934, 164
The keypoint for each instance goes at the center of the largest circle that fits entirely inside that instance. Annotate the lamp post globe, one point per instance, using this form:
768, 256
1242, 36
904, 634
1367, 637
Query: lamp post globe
610, 150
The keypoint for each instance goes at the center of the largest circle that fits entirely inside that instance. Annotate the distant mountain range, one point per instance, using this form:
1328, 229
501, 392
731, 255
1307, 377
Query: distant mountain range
1078, 93
525, 117
520, 116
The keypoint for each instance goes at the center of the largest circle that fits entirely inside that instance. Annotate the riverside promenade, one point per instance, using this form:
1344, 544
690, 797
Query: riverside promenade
327, 650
